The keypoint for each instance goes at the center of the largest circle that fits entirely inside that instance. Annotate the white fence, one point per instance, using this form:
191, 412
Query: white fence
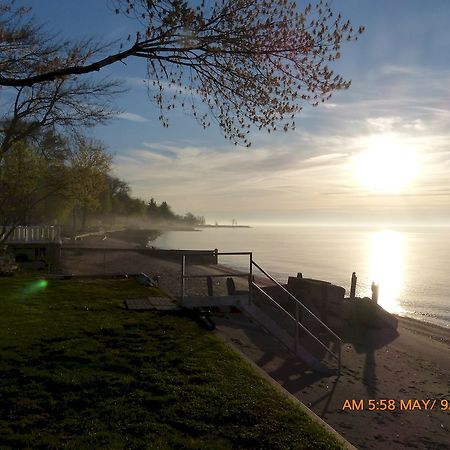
31, 234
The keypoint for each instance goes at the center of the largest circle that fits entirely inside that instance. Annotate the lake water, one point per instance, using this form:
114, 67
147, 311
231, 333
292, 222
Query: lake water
411, 265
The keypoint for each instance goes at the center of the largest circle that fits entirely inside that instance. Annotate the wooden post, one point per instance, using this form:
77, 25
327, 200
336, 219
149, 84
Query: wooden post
375, 292
209, 284
183, 269
353, 286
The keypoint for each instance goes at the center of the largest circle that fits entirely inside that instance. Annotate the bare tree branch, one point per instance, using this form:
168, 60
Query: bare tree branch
250, 62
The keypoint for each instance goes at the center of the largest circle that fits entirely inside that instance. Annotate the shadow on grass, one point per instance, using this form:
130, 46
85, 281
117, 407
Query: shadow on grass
78, 371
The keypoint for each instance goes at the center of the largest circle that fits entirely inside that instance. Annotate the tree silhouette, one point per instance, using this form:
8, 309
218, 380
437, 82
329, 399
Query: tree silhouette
238, 62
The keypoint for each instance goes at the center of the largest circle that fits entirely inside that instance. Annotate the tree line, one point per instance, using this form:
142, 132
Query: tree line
49, 178
242, 64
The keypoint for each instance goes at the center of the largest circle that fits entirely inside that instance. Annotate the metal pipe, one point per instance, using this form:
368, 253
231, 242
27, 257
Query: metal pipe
221, 275
297, 321
233, 253
183, 264
250, 278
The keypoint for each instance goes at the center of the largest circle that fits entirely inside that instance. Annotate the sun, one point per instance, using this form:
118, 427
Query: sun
386, 165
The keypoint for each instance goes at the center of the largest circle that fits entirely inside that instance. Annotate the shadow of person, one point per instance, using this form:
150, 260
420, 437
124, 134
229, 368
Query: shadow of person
368, 340
369, 374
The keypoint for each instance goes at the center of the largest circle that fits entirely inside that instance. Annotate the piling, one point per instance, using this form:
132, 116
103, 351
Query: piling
375, 288
353, 286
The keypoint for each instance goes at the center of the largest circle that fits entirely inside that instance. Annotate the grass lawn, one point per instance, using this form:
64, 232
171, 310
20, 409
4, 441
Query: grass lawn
79, 371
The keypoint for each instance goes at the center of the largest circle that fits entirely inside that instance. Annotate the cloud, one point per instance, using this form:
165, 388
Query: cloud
201, 179
307, 170
391, 69
304, 171
160, 150
132, 117
392, 98
386, 123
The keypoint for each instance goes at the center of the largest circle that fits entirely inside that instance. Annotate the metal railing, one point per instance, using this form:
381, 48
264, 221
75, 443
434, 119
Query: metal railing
252, 285
298, 323
298, 304
31, 234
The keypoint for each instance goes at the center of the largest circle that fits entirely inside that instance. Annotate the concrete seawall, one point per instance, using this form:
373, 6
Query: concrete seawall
192, 256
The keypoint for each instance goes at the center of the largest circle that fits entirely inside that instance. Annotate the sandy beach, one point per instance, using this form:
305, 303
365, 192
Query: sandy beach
411, 363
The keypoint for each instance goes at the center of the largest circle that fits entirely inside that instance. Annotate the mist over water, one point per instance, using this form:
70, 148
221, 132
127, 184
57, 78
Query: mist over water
409, 264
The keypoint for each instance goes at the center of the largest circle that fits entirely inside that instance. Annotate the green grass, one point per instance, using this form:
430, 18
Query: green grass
79, 371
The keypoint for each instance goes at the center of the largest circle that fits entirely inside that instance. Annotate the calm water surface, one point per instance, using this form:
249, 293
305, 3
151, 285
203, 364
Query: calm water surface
411, 265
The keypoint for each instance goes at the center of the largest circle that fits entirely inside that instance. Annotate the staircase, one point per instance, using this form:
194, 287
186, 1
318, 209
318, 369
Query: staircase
286, 318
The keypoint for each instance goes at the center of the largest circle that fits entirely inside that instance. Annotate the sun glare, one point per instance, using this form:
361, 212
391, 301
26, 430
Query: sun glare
387, 267
386, 165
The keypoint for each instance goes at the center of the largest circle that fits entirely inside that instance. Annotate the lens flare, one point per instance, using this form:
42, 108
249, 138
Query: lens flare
35, 286
42, 284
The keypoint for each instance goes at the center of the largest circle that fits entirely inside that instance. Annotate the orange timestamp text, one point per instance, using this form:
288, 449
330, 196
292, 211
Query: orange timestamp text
390, 404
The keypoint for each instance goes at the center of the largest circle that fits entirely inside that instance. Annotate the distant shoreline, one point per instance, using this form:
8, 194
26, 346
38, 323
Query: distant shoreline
223, 226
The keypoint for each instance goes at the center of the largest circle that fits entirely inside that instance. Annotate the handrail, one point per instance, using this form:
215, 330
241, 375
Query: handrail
217, 275
252, 285
298, 301
299, 323
234, 253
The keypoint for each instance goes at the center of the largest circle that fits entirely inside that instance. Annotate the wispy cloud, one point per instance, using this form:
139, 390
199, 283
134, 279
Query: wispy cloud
132, 117
309, 171
231, 178
386, 123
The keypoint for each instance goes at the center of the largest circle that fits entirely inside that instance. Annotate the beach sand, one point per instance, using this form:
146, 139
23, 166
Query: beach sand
412, 363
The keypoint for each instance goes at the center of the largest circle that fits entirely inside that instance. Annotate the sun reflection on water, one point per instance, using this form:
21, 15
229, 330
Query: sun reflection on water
387, 267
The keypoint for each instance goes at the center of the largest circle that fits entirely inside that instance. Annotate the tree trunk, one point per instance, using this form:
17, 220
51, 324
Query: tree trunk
6, 232
84, 214
74, 222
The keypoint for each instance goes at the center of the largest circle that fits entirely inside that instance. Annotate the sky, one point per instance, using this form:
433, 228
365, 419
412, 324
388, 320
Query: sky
378, 153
